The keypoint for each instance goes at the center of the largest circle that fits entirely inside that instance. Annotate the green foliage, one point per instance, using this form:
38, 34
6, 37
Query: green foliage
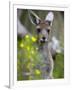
59, 66
28, 59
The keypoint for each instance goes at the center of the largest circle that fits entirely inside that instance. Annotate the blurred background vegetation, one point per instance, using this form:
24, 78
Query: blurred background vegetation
28, 58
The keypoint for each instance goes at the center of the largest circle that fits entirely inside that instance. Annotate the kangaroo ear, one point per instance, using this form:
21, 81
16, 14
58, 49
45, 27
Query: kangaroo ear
33, 17
49, 18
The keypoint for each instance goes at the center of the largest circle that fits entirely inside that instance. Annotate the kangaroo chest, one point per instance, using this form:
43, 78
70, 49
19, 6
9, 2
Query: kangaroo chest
45, 54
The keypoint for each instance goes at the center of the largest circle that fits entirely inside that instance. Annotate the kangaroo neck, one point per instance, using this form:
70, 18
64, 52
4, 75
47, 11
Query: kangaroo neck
43, 47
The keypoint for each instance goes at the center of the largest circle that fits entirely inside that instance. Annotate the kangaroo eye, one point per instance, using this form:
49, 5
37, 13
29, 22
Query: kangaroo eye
38, 30
48, 30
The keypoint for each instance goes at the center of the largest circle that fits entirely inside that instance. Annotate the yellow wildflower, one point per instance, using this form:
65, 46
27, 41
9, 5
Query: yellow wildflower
21, 45
37, 72
34, 39
32, 52
27, 36
28, 48
33, 64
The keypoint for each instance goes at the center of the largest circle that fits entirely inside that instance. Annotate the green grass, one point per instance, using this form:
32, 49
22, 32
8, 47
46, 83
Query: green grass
28, 58
59, 66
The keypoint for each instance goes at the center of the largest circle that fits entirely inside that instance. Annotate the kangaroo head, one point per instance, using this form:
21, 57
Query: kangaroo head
43, 27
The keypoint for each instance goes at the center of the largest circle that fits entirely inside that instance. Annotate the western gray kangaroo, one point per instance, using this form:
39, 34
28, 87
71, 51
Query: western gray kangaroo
43, 29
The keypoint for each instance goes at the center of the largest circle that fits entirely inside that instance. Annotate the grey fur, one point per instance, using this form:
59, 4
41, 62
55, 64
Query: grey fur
47, 70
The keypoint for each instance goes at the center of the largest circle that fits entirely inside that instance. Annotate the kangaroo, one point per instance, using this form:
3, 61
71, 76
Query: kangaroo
43, 29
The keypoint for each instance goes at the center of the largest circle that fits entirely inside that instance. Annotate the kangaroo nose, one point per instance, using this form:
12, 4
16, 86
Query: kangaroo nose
43, 38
